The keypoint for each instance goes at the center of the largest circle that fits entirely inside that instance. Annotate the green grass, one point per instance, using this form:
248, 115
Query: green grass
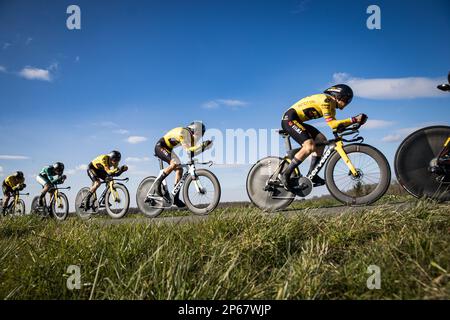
237, 253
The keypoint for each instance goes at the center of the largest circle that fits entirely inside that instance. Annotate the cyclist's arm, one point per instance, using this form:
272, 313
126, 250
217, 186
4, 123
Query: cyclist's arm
108, 170
330, 118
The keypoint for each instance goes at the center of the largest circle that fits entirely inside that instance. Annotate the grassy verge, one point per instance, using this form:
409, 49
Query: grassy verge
242, 255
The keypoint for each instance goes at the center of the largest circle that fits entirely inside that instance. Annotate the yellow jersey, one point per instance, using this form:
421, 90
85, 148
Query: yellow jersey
13, 182
179, 136
318, 106
103, 163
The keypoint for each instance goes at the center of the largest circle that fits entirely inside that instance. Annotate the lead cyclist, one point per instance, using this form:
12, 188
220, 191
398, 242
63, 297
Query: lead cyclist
314, 107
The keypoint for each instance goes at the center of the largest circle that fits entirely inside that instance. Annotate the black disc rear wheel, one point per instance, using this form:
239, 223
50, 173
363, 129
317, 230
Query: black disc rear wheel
412, 162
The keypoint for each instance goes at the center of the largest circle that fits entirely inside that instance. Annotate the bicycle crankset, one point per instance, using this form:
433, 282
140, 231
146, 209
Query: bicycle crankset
158, 202
303, 187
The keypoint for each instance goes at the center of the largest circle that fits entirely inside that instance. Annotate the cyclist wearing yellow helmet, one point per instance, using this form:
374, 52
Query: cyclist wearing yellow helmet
314, 107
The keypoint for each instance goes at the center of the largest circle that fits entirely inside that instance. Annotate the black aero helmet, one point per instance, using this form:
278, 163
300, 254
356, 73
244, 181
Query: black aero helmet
19, 174
59, 167
341, 92
115, 155
196, 127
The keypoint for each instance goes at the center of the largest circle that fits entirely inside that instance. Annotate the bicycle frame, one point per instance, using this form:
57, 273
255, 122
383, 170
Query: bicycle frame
337, 145
110, 186
55, 195
191, 170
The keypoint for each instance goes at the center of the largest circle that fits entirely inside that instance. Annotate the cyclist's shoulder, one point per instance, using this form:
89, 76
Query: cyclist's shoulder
315, 99
176, 131
101, 157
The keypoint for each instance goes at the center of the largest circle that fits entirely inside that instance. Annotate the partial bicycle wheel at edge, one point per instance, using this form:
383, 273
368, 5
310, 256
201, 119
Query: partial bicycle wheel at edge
372, 183
205, 201
141, 194
257, 178
412, 160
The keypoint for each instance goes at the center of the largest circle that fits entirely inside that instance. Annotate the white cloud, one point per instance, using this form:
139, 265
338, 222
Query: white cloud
210, 105
2, 69
232, 103
10, 157
6, 45
122, 131
136, 139
300, 6
377, 124
135, 159
1, 169
31, 73
28, 41
399, 134
81, 167
392, 88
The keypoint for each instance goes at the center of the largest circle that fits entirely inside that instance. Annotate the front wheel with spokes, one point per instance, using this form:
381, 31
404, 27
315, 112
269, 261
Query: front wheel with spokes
202, 195
117, 201
371, 183
60, 207
19, 208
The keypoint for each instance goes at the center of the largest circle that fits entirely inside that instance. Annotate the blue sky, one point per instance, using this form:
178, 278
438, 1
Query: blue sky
139, 68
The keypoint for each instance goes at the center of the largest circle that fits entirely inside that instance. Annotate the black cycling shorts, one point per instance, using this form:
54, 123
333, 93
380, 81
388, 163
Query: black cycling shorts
298, 130
7, 190
163, 152
96, 174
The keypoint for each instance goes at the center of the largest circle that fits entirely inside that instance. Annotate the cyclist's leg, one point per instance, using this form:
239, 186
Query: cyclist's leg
96, 176
178, 174
45, 183
7, 192
300, 134
165, 154
317, 153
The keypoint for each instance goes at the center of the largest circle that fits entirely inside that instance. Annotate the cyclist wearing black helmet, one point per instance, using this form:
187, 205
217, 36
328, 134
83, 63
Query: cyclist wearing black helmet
49, 177
314, 107
188, 137
12, 183
102, 167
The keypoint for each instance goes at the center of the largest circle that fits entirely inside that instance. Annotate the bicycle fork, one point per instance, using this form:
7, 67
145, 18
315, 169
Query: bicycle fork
340, 149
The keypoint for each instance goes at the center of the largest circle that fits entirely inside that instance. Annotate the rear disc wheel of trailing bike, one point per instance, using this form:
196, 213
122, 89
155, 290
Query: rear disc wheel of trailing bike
277, 198
372, 182
412, 161
152, 208
79, 200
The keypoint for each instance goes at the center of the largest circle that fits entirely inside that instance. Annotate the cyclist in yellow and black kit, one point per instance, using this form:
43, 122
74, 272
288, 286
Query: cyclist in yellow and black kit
187, 137
314, 107
102, 167
12, 183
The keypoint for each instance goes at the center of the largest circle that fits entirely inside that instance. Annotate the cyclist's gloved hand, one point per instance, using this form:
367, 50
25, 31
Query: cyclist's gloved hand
360, 118
124, 168
340, 128
207, 144
22, 186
